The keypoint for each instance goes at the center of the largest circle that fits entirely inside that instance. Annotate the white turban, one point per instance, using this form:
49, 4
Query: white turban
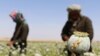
73, 7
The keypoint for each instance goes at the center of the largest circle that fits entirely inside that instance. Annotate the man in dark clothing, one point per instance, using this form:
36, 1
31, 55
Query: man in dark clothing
19, 38
76, 22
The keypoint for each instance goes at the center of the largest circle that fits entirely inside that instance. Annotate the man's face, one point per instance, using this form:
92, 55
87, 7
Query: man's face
74, 15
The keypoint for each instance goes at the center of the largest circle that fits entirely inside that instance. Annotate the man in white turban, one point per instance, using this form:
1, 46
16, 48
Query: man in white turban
76, 22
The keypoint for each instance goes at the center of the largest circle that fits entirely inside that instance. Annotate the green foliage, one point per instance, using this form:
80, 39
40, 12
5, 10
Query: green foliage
43, 49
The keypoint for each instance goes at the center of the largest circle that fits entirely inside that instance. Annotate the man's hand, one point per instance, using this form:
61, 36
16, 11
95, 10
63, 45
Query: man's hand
65, 37
10, 43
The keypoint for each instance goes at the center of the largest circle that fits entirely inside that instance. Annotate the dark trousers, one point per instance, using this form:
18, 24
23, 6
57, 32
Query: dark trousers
90, 50
22, 45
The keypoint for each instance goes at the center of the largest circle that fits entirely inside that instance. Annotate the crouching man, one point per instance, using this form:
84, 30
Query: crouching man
76, 22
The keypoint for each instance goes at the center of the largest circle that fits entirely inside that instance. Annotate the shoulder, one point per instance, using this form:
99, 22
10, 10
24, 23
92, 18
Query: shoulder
87, 19
25, 24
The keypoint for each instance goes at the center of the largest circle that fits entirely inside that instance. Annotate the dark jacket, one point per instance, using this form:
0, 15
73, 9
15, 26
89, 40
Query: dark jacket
83, 24
21, 32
